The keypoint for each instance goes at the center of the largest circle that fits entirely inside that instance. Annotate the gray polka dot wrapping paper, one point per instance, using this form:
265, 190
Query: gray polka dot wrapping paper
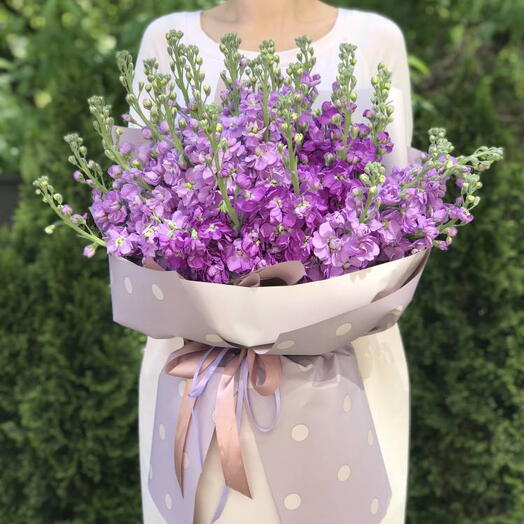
314, 435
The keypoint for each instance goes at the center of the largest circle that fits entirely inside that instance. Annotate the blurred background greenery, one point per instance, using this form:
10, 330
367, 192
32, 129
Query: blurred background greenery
68, 375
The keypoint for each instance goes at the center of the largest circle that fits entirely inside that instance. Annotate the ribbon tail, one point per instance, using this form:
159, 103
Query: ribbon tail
221, 504
182, 430
227, 430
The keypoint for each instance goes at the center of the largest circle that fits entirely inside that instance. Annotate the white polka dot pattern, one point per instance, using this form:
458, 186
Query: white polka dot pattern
344, 473
300, 432
292, 501
162, 431
285, 344
346, 406
398, 310
157, 292
168, 501
374, 506
343, 329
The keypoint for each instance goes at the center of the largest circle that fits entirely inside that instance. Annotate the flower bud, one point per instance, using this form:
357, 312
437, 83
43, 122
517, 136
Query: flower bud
89, 250
328, 159
336, 119
365, 179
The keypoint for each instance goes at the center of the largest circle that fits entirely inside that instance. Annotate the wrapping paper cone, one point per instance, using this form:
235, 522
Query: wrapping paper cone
322, 462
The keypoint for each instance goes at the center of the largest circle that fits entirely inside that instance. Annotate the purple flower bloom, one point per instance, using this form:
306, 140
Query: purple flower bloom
121, 243
249, 200
171, 204
263, 156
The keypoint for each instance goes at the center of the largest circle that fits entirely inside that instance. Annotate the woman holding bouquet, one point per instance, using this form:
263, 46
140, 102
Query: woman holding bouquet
380, 356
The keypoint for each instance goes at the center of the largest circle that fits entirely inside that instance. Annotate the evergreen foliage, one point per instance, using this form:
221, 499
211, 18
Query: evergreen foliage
68, 375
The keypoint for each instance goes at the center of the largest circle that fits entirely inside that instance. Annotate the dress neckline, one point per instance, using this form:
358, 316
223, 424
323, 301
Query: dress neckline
209, 46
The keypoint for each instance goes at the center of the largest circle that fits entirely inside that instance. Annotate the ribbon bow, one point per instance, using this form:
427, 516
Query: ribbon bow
197, 363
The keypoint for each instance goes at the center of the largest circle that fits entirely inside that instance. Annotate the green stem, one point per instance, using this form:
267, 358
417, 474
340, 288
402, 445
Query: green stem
293, 164
222, 185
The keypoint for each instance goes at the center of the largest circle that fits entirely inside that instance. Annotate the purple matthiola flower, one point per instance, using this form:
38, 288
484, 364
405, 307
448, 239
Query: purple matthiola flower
253, 133
250, 200
152, 177
236, 259
121, 243
168, 206
250, 105
329, 247
391, 230
114, 207
263, 156
233, 125
328, 112
363, 250
114, 171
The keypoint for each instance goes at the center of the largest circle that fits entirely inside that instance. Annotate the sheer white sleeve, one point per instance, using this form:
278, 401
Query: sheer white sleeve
146, 50
397, 62
152, 45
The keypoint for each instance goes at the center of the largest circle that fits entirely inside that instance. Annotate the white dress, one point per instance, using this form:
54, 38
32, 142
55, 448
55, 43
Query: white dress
380, 357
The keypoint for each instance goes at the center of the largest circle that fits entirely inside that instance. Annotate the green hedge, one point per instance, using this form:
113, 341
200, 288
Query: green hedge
68, 375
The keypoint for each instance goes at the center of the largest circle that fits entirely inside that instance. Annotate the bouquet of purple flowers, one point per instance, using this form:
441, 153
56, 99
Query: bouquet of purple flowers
267, 184
214, 191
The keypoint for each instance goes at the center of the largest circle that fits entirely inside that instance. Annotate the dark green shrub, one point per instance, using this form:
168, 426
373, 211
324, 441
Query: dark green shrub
68, 375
